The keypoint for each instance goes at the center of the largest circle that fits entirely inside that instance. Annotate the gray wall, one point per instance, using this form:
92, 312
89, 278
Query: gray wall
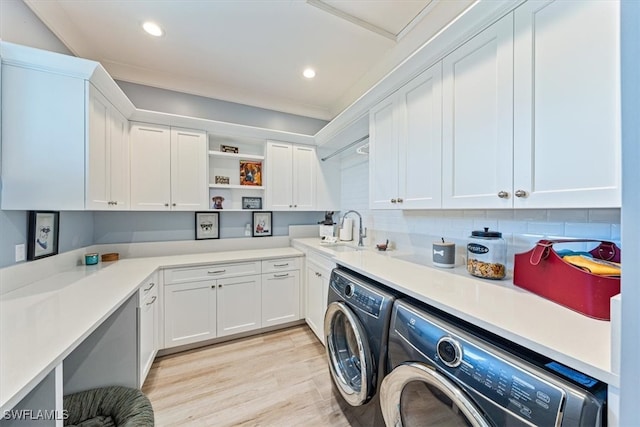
133, 227
168, 101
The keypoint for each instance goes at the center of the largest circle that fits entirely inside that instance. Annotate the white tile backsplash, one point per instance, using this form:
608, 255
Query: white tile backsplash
415, 231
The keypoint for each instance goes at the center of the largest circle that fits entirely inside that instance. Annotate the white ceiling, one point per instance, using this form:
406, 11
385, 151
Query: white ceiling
251, 51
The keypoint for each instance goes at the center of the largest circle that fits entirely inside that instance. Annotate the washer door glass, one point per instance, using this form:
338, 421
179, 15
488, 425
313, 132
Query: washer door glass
414, 394
348, 354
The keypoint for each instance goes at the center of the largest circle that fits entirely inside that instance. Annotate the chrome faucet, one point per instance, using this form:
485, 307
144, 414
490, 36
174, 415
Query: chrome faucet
361, 235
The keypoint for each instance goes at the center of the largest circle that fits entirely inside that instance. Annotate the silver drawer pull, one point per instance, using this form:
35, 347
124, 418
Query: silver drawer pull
152, 300
281, 265
151, 285
216, 271
279, 276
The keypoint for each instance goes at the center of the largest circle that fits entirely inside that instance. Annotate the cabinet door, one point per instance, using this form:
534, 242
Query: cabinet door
279, 176
383, 155
316, 298
477, 143
567, 104
150, 167
304, 177
189, 185
190, 312
280, 298
119, 171
420, 148
147, 329
239, 304
98, 151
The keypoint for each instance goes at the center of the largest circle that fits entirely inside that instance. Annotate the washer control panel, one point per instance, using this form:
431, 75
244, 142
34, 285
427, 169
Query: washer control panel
477, 367
358, 295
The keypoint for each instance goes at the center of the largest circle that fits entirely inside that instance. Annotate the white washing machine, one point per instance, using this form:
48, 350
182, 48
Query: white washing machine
445, 372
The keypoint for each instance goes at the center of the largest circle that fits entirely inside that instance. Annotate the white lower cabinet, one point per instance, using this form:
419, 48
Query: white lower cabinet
189, 312
205, 302
238, 304
280, 297
148, 311
318, 273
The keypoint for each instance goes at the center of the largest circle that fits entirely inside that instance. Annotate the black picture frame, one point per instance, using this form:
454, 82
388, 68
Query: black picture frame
252, 203
207, 225
43, 234
262, 223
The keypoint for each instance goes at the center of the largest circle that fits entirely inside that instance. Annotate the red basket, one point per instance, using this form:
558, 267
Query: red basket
543, 272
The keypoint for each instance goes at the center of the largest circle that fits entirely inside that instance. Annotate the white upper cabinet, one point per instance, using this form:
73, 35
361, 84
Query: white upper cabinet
383, 155
189, 184
43, 140
290, 176
107, 155
405, 140
168, 168
478, 120
567, 104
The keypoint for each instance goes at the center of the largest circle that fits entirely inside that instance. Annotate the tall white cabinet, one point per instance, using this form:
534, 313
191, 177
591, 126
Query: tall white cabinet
405, 146
478, 120
168, 168
290, 176
107, 155
567, 104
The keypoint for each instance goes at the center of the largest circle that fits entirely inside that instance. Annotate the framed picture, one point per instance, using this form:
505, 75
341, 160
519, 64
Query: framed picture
44, 229
228, 149
207, 225
252, 203
250, 172
261, 224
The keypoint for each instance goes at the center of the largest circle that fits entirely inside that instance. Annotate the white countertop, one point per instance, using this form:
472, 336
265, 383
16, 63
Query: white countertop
500, 307
43, 322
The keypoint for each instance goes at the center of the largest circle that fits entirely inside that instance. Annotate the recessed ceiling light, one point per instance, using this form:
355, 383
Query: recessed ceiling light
152, 28
309, 73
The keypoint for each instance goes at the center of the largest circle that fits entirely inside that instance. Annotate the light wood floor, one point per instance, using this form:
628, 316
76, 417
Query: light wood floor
275, 379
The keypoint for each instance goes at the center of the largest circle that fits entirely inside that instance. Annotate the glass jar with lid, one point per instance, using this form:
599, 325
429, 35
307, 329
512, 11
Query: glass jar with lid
487, 254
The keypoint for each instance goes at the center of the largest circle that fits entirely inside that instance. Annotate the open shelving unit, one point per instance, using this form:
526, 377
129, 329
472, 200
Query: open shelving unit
227, 165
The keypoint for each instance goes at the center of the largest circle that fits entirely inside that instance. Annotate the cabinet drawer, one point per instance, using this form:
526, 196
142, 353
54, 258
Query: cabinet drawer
215, 271
148, 287
280, 264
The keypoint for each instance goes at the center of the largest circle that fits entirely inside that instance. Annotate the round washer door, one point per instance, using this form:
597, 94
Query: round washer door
416, 394
348, 354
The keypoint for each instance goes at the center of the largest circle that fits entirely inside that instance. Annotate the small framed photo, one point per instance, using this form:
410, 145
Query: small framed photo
207, 225
44, 229
228, 149
252, 203
250, 172
262, 224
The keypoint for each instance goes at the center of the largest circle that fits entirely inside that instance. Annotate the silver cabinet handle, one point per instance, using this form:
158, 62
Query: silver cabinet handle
173, 204
219, 286
503, 195
281, 265
400, 200
394, 201
295, 206
318, 274
280, 276
521, 193
213, 286
216, 271
152, 300
166, 204
151, 285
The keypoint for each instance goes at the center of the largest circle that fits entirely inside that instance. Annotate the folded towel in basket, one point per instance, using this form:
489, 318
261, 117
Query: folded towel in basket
594, 265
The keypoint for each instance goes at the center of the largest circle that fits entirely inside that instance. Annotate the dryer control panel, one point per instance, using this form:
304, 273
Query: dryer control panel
357, 294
